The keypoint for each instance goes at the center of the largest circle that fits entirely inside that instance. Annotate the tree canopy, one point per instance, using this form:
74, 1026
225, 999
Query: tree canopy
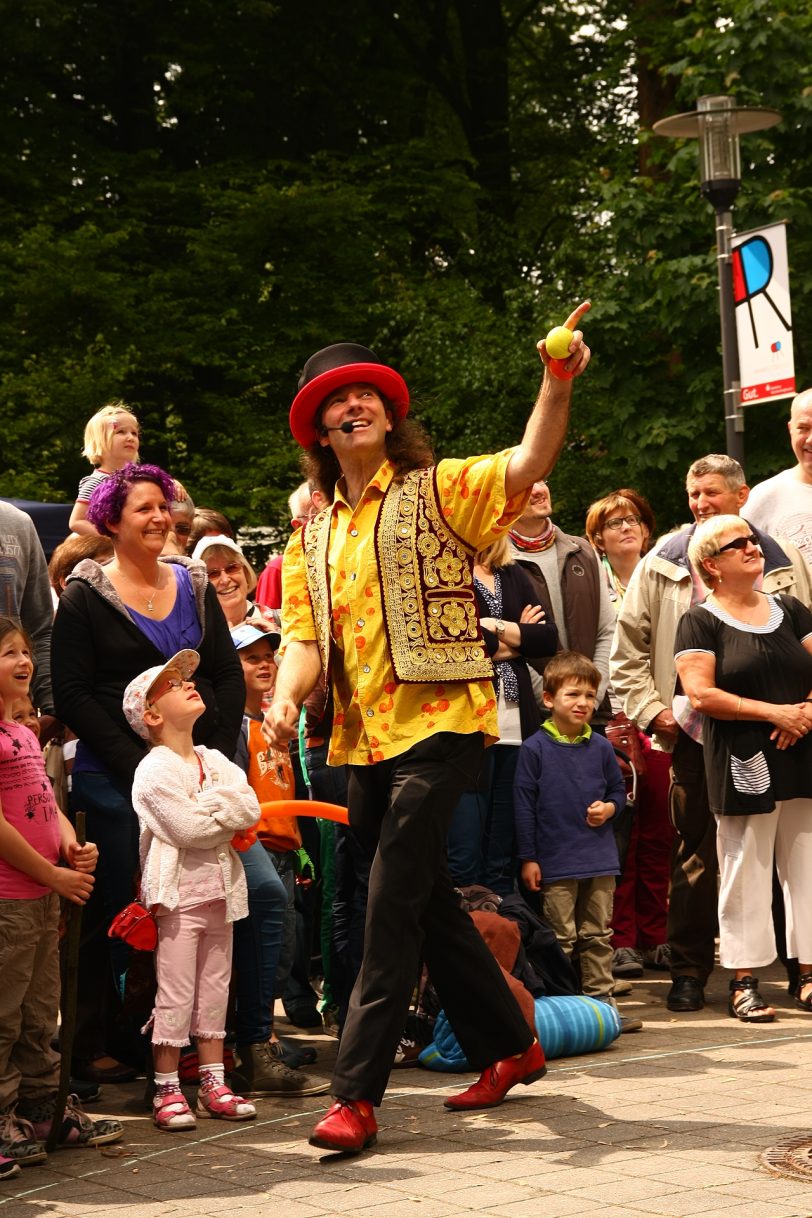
197, 196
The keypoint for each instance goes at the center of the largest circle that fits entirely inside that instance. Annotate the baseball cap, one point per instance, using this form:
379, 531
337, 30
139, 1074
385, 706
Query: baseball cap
136, 693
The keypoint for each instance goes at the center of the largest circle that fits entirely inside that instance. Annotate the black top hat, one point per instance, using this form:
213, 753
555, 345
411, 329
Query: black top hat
332, 367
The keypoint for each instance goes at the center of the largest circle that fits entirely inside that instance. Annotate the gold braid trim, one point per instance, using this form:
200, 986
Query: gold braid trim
316, 542
426, 573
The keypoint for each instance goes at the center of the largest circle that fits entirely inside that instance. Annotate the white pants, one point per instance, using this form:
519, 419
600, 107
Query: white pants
746, 846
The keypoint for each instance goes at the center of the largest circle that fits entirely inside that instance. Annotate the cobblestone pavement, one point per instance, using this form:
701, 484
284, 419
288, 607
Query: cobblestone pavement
669, 1121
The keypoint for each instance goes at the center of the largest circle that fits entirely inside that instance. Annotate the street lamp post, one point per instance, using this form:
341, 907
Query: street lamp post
718, 122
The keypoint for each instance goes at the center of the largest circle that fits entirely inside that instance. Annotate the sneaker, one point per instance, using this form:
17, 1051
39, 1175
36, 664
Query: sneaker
18, 1141
621, 987
218, 1101
8, 1168
406, 1054
77, 1127
170, 1112
259, 1072
329, 1020
292, 1053
86, 1093
658, 958
627, 962
628, 1023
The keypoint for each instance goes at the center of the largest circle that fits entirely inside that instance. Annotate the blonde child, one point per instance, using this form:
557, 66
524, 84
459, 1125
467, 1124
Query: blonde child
190, 801
111, 440
34, 838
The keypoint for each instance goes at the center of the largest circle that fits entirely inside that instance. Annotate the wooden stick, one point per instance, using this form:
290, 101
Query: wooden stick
68, 1005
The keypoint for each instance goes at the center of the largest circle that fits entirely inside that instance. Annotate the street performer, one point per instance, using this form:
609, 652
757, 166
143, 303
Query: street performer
378, 594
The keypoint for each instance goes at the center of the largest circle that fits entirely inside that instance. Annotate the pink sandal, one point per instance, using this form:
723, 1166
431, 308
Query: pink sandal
218, 1101
171, 1113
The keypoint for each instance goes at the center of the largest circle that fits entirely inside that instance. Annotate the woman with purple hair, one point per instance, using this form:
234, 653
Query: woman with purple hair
113, 622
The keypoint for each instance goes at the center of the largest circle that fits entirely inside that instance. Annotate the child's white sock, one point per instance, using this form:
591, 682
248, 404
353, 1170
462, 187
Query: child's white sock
213, 1074
167, 1082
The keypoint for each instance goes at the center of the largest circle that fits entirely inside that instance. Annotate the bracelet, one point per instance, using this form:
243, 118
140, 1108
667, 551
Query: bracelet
738, 707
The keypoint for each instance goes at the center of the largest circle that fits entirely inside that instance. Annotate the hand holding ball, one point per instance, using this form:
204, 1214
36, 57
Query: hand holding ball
558, 342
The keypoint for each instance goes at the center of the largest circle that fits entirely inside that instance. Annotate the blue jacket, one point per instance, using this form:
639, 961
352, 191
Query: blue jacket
555, 783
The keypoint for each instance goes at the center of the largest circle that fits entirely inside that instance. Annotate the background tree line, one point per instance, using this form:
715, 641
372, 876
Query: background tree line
195, 196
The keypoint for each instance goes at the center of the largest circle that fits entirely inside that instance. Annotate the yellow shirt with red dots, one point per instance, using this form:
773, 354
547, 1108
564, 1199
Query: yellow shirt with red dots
376, 717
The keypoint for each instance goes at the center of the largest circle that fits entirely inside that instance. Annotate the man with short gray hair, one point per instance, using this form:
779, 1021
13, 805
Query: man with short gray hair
663, 587
782, 505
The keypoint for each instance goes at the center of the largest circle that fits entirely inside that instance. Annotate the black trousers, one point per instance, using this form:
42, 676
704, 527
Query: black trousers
402, 809
693, 918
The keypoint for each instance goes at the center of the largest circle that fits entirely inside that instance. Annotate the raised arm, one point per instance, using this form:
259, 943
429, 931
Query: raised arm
547, 426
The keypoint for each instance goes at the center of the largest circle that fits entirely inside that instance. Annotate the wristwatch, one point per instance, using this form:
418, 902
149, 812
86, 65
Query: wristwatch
499, 627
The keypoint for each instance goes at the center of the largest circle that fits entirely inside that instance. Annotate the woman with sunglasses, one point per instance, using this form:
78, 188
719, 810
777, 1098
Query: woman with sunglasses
233, 578
744, 660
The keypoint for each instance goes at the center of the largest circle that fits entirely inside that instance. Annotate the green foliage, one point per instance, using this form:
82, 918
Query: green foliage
197, 197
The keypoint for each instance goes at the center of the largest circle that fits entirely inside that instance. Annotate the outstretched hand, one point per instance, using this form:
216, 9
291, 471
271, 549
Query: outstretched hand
580, 353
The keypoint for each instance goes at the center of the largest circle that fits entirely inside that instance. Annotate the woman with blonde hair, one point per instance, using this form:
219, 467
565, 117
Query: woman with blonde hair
233, 579
481, 838
744, 659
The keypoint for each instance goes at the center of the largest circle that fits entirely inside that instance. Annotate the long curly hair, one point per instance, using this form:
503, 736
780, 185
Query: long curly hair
408, 447
108, 499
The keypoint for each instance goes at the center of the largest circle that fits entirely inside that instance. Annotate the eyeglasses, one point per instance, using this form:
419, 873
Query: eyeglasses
168, 685
739, 543
232, 570
617, 522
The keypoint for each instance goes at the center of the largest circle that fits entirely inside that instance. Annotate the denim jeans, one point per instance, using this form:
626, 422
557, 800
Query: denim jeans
285, 869
257, 946
481, 841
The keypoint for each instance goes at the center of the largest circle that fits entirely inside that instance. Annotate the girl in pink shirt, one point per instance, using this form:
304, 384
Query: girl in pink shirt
34, 837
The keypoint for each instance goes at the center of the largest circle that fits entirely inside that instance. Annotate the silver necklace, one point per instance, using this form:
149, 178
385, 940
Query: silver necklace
155, 591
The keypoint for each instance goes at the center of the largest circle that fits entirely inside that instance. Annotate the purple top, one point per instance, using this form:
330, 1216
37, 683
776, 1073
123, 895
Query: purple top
181, 627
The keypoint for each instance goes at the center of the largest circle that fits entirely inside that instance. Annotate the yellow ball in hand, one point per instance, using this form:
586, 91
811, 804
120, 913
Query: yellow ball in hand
558, 342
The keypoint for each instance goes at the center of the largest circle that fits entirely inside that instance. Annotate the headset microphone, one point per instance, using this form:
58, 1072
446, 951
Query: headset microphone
347, 427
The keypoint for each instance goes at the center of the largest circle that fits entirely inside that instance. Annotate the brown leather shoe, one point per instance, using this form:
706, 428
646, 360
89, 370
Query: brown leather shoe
494, 1083
348, 1127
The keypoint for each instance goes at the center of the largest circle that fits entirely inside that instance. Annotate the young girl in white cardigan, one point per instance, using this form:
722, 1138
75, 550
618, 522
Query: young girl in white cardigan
190, 802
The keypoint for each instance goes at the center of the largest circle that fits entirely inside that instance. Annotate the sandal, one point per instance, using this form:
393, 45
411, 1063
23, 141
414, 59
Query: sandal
217, 1100
804, 1004
745, 1002
170, 1112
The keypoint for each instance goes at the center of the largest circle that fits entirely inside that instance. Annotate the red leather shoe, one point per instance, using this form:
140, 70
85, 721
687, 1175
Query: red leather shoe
349, 1126
494, 1083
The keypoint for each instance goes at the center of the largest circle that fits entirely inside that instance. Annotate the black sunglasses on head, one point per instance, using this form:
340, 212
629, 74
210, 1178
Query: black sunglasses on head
739, 543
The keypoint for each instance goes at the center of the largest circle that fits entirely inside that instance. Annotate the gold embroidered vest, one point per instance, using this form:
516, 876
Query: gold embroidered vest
427, 585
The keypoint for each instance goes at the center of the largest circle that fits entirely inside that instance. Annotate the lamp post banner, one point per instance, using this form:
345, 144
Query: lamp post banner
763, 314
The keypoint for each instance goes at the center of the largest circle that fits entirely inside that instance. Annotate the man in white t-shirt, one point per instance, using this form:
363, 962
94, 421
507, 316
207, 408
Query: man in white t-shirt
782, 506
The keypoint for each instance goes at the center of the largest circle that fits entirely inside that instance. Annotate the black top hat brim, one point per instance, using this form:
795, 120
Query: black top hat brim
306, 404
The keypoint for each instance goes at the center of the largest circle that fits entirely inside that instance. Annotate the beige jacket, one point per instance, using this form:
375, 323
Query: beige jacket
641, 662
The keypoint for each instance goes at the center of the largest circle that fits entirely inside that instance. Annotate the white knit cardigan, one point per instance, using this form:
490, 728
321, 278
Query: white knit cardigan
175, 814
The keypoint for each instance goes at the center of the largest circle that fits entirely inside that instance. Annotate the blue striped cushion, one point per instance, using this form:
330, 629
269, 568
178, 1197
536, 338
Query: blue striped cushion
565, 1026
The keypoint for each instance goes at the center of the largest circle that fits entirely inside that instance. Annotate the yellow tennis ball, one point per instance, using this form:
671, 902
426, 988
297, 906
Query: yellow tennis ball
558, 342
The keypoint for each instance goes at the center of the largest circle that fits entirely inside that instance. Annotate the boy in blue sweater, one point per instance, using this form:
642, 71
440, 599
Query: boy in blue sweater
568, 787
